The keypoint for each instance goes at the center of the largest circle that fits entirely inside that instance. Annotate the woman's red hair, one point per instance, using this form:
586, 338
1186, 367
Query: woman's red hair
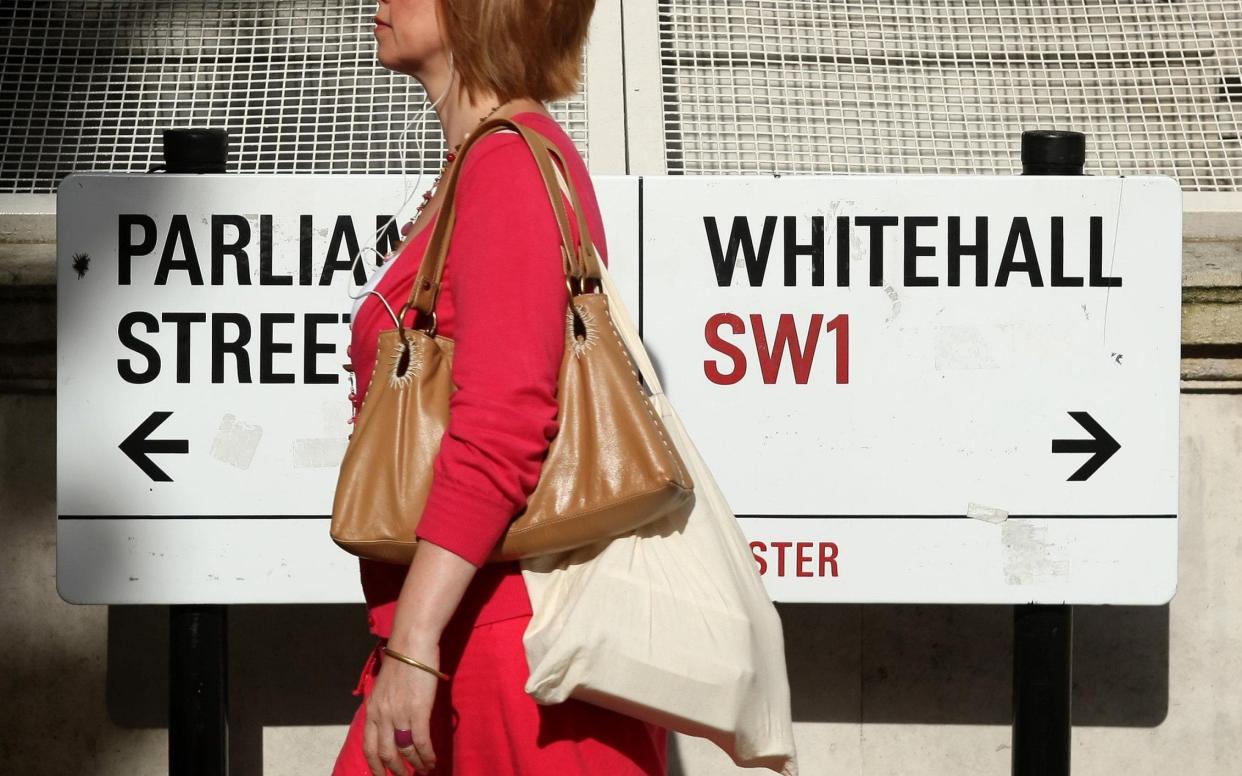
517, 48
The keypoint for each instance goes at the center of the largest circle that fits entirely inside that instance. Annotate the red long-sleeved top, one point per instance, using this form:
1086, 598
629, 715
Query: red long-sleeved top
502, 300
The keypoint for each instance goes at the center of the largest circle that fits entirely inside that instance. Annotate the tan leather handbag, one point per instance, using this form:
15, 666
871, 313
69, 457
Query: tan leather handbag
611, 467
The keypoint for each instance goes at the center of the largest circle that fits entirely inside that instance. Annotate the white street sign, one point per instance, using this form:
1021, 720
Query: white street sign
201, 403
899, 448
930, 388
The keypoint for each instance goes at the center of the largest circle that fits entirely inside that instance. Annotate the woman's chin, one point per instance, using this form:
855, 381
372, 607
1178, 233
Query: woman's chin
386, 61
403, 67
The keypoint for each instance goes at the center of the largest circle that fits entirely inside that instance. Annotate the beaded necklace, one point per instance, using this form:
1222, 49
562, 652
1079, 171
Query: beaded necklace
449, 158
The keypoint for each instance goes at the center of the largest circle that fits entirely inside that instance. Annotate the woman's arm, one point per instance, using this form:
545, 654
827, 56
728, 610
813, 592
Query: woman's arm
509, 298
403, 695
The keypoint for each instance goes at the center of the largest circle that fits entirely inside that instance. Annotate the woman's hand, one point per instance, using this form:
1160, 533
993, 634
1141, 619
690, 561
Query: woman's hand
402, 696
401, 699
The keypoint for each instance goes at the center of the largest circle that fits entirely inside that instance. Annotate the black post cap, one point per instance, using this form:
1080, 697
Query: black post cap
1053, 152
196, 150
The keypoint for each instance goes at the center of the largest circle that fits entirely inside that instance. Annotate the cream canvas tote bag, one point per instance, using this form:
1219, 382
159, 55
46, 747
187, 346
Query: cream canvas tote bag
670, 623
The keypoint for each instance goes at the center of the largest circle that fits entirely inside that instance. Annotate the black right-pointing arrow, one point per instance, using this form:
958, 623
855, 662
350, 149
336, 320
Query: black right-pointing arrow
137, 446
1101, 443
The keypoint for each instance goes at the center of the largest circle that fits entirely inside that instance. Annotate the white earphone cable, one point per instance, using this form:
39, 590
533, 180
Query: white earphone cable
422, 119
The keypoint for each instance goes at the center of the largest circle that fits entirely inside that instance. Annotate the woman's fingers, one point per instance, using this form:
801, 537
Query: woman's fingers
370, 747
420, 755
389, 755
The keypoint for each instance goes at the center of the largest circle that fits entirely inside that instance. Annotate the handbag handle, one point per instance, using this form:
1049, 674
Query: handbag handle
624, 324
427, 283
580, 264
553, 174
616, 307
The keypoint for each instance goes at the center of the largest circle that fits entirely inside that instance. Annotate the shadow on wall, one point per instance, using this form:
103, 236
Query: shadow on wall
297, 665
288, 665
952, 665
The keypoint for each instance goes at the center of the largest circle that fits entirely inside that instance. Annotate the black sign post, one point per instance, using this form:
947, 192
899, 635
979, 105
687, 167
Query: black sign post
1043, 635
198, 730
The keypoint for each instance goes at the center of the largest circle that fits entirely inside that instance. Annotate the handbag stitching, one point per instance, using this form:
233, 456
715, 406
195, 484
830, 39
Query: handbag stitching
655, 421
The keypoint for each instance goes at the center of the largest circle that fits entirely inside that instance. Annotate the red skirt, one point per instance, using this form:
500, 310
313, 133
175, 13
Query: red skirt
484, 723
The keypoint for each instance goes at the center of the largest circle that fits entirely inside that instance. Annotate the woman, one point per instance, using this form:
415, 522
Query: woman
503, 302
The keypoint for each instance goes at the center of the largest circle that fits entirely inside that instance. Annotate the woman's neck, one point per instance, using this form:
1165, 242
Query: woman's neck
459, 117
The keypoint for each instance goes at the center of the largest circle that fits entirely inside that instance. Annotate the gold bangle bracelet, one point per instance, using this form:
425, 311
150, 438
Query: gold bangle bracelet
411, 661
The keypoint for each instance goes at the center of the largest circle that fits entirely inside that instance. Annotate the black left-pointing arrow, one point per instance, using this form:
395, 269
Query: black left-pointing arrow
138, 447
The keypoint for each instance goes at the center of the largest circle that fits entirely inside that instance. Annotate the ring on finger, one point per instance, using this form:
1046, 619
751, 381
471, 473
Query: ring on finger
404, 739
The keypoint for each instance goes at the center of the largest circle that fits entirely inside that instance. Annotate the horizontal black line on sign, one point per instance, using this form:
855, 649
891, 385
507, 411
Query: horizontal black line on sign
765, 517
960, 517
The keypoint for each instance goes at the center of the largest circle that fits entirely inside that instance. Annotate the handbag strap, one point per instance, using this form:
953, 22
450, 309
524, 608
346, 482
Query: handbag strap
553, 176
580, 262
624, 324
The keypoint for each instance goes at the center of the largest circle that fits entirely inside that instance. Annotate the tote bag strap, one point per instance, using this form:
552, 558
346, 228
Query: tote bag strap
629, 333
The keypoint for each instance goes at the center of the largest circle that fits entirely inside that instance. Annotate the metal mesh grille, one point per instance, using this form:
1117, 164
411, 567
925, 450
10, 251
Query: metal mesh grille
947, 86
91, 85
